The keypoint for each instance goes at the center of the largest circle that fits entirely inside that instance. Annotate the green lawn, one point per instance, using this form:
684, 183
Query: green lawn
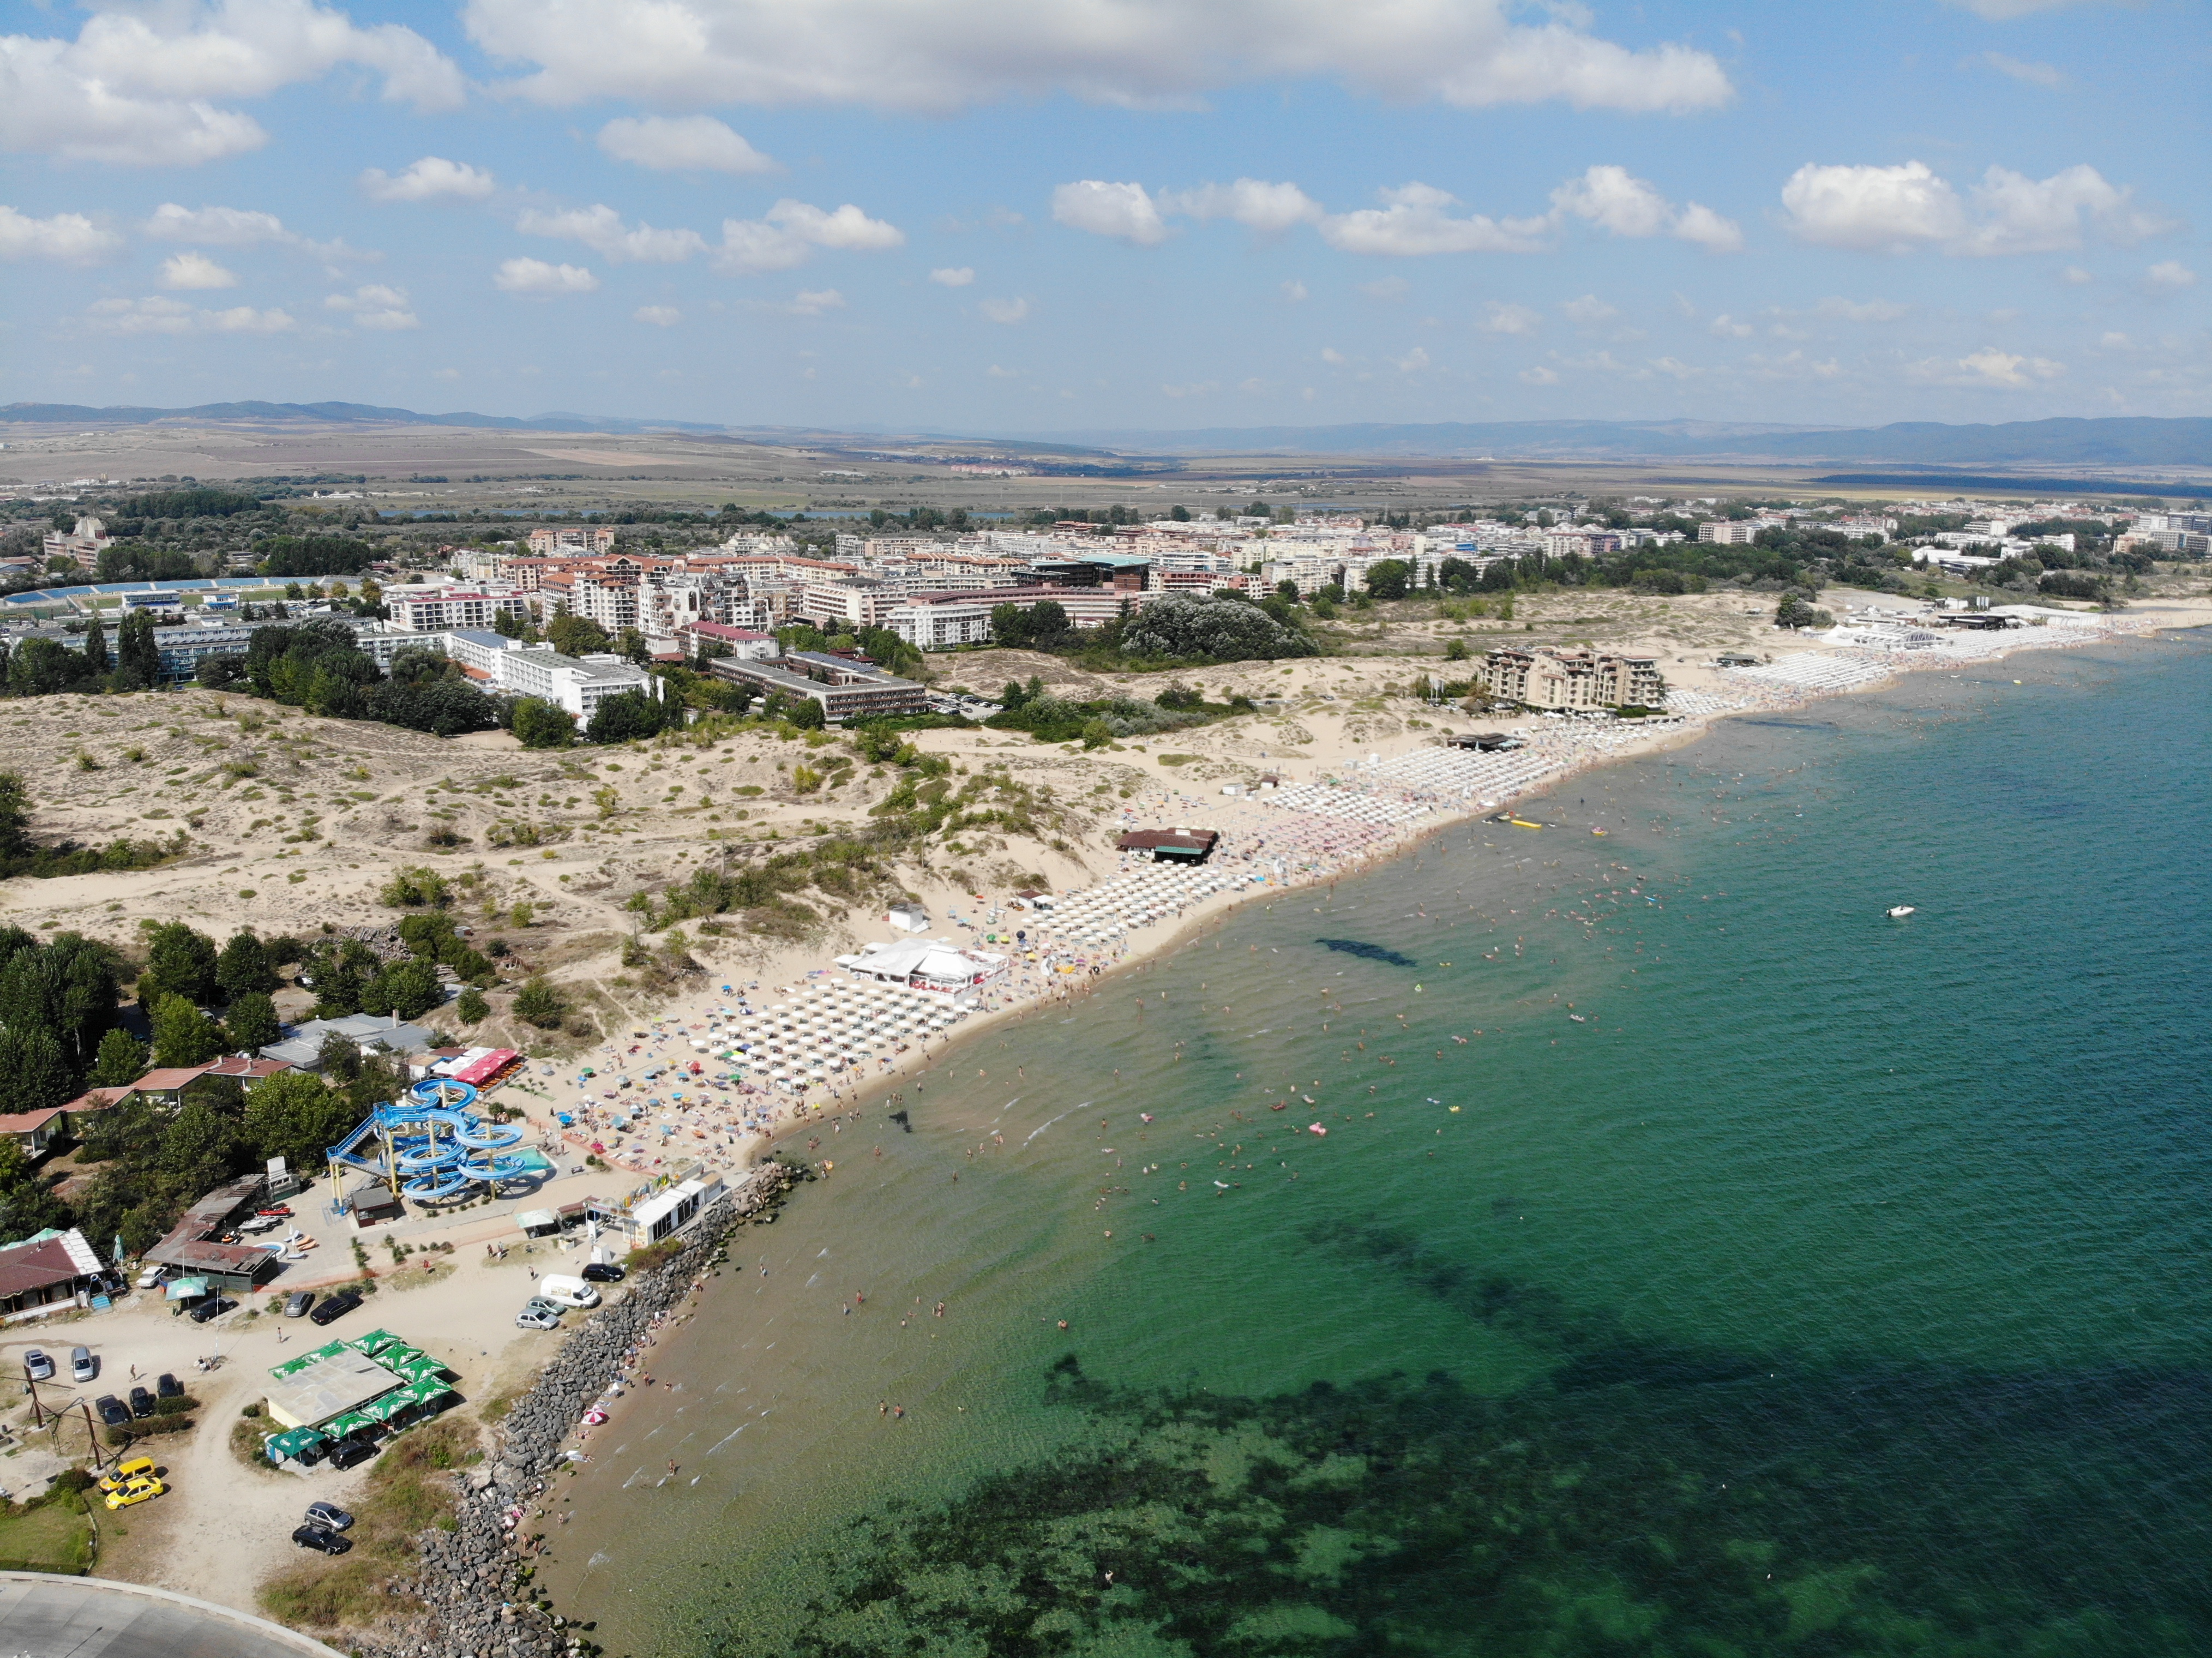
55, 1537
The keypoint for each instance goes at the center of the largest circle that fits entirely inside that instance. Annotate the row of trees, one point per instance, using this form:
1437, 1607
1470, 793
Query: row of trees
39, 666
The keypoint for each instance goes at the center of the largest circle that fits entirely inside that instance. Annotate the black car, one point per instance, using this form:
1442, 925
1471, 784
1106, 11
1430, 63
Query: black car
602, 1272
142, 1402
213, 1307
335, 1307
168, 1387
321, 1537
113, 1411
350, 1452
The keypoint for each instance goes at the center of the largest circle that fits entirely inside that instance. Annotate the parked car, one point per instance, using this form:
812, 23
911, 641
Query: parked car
297, 1306
38, 1366
212, 1307
537, 1318
83, 1367
569, 1291
322, 1538
335, 1307
124, 1472
149, 1277
168, 1387
142, 1403
603, 1272
329, 1514
136, 1490
113, 1411
349, 1452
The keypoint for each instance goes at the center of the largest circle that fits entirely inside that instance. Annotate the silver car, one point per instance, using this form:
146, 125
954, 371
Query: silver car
37, 1366
537, 1318
83, 1367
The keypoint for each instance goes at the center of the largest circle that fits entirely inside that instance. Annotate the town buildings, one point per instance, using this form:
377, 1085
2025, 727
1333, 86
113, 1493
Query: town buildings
1543, 677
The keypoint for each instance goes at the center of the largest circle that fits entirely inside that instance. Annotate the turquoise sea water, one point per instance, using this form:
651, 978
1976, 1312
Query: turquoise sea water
1832, 1284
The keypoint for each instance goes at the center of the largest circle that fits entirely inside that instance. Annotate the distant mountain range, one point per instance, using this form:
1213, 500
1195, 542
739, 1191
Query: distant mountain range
2127, 441
73, 414
2116, 441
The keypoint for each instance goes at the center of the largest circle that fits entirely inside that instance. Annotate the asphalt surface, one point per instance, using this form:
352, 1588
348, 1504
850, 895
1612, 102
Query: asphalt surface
47, 1617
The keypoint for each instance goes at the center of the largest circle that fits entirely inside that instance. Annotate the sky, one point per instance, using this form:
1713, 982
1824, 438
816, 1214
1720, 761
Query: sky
1030, 217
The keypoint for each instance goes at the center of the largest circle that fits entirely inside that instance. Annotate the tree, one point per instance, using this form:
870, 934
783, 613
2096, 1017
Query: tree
182, 1034
34, 1073
414, 887
294, 1116
409, 988
541, 1005
180, 961
15, 814
137, 656
1390, 578
542, 725
576, 635
806, 714
1219, 629
1795, 612
630, 645
201, 1149
471, 1006
120, 1062
243, 967
624, 718
1096, 733
252, 1022
27, 1204
96, 659
1457, 650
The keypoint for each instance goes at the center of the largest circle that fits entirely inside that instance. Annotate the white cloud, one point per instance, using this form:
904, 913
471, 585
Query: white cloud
1897, 209
1505, 319
1862, 310
790, 233
999, 373
1589, 311
2171, 275
2003, 11
158, 315
1889, 208
1295, 291
1414, 223
1539, 375
1106, 208
218, 227
1613, 199
2047, 75
189, 271
1413, 361
428, 179
1987, 367
689, 143
137, 87
2075, 276
940, 55
660, 316
2114, 341
69, 238
536, 277
376, 306
1008, 312
1269, 208
1330, 355
953, 275
1725, 327
812, 302
600, 228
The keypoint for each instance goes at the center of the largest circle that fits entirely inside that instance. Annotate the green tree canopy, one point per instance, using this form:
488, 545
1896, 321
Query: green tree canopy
243, 967
296, 1116
180, 961
182, 1034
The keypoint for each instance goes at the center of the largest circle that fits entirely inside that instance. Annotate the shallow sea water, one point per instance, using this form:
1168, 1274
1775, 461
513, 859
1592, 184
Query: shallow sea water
1831, 1285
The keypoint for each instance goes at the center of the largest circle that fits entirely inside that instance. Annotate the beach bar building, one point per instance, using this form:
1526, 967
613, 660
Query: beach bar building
1172, 845
375, 1380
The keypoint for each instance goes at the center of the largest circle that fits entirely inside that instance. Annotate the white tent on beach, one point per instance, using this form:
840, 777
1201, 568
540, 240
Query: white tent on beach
927, 964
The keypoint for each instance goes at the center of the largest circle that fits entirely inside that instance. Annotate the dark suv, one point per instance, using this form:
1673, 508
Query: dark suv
113, 1411
213, 1307
601, 1272
142, 1402
336, 1307
349, 1453
322, 1538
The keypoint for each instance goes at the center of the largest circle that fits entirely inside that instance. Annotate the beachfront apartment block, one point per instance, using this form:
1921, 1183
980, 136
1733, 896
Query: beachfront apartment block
578, 684
1728, 533
435, 609
586, 542
1541, 677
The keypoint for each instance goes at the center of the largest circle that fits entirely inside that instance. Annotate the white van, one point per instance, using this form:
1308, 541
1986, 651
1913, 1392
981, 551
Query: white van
569, 1291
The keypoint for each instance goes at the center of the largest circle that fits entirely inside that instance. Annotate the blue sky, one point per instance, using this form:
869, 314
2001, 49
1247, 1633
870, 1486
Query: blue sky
1030, 215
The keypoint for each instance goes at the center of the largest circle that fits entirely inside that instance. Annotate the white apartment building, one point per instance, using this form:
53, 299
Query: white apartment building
579, 684
581, 541
1728, 533
444, 610
937, 622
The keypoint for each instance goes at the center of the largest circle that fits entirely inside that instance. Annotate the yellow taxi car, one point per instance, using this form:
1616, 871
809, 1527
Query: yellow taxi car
137, 1467
135, 1491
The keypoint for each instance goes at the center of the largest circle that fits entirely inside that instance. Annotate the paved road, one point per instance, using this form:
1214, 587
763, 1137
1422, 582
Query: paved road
44, 1616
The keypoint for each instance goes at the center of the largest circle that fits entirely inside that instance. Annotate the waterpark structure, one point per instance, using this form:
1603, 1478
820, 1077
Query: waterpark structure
429, 1144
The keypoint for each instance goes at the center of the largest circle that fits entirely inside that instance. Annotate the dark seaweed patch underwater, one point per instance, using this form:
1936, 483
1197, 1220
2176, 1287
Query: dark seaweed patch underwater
1366, 952
1642, 1501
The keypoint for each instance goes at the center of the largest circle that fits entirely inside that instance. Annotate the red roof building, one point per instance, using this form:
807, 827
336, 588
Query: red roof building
46, 1270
